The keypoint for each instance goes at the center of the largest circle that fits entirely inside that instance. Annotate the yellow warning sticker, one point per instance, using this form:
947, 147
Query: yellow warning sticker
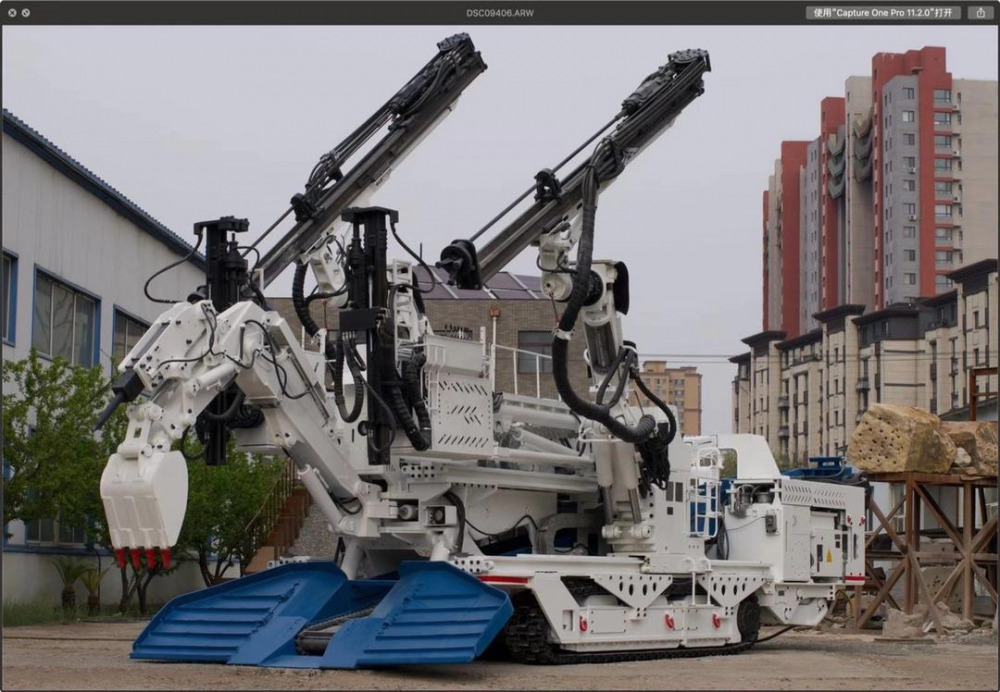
829, 555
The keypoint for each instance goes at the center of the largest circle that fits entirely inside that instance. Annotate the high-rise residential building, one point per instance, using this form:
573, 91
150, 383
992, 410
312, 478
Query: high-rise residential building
877, 237
679, 387
898, 189
782, 243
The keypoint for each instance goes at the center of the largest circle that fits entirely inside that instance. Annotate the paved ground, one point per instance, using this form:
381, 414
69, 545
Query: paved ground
95, 656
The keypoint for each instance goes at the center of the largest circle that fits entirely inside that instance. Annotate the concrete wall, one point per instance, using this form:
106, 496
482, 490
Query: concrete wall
29, 577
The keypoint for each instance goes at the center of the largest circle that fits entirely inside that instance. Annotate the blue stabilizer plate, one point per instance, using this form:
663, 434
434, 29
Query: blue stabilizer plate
434, 613
251, 620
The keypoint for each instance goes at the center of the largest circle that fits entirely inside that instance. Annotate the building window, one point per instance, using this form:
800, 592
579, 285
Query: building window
942, 118
942, 282
53, 532
128, 331
909, 185
64, 322
942, 141
942, 210
942, 95
943, 187
975, 318
942, 164
909, 139
910, 255
942, 234
909, 231
8, 299
909, 208
909, 93
911, 280
909, 116
534, 342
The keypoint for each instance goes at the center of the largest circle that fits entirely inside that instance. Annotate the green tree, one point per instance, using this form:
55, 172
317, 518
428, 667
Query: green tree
222, 502
48, 444
56, 462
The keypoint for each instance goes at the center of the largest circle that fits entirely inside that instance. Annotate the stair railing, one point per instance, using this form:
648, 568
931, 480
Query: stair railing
268, 519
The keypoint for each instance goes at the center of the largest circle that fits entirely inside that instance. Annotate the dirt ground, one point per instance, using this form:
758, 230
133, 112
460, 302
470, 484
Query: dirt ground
95, 656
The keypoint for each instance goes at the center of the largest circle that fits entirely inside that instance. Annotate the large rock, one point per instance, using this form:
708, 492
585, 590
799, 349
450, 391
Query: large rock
978, 439
893, 438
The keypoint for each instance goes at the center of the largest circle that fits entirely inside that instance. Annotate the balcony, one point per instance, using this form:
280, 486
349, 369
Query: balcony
783, 431
783, 401
862, 385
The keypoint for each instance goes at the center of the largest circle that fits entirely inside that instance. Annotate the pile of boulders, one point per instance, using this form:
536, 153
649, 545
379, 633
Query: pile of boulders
893, 438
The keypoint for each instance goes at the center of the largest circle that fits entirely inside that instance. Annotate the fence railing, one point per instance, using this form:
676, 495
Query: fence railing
515, 355
267, 521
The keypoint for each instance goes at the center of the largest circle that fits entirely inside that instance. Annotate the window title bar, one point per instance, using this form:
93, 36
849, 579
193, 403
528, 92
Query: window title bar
455, 12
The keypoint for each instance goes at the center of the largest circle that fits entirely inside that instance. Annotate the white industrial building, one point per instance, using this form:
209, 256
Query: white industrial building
76, 253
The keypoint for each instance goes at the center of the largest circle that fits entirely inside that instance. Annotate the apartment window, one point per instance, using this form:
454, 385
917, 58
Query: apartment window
943, 141
942, 282
909, 93
942, 187
909, 139
975, 318
909, 208
942, 234
942, 164
910, 162
975, 355
534, 342
8, 299
910, 255
943, 257
942, 94
128, 331
911, 280
909, 231
909, 116
64, 322
909, 185
942, 118
942, 210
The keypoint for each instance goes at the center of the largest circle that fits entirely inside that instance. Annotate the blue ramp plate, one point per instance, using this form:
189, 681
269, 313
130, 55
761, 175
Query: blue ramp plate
434, 614
250, 620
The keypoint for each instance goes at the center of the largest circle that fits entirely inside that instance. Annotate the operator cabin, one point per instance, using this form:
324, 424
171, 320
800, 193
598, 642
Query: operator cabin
76, 253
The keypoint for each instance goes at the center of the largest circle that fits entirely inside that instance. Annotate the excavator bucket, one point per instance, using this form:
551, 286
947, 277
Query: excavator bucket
310, 615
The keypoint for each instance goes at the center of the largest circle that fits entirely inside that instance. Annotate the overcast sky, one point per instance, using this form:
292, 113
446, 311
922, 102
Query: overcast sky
196, 123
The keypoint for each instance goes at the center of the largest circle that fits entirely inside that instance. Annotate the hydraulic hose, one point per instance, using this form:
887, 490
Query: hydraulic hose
229, 413
560, 344
418, 431
411, 379
625, 356
336, 352
299, 300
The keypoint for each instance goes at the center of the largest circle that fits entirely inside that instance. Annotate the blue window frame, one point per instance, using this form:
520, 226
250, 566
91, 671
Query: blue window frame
8, 297
65, 321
